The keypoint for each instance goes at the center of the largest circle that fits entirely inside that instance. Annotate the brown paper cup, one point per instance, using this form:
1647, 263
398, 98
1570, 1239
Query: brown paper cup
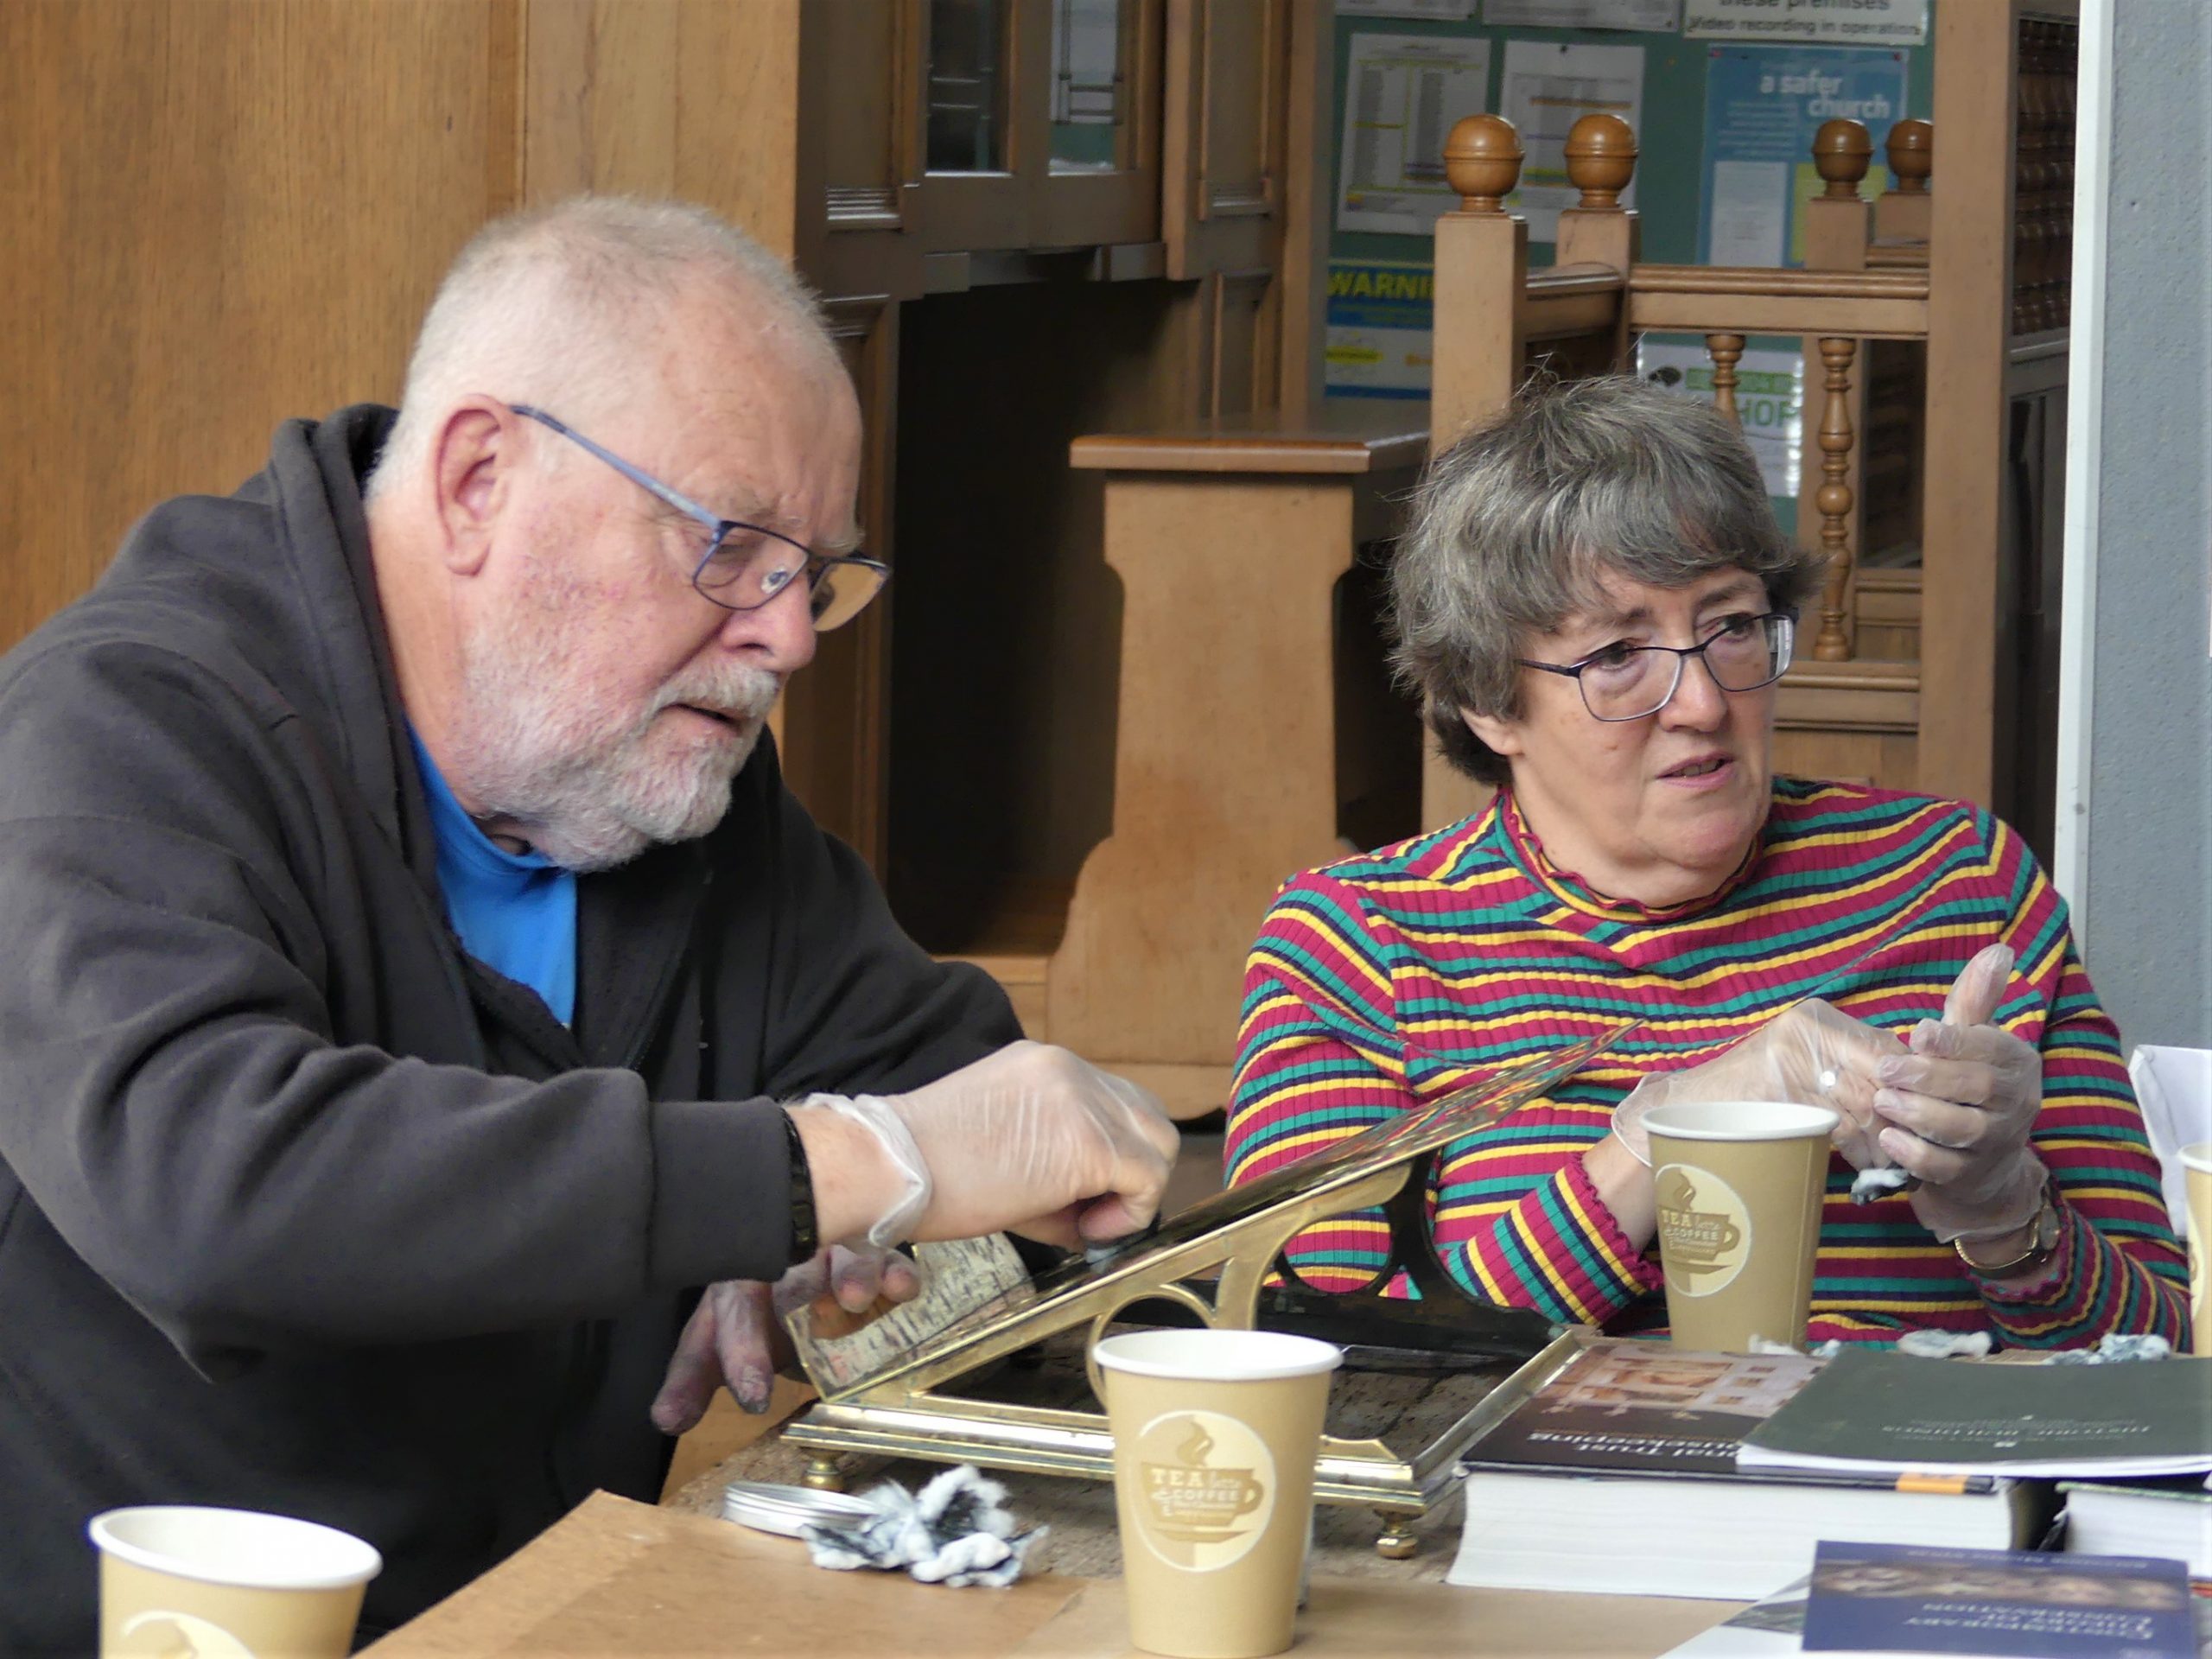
227, 1584
2196, 1176
1738, 1185
1215, 1436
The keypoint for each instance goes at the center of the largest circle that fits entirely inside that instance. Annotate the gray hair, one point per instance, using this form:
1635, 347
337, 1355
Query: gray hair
558, 307
1516, 525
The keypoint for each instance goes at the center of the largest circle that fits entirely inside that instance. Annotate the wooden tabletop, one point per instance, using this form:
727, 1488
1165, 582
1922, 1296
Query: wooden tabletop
618, 1577
1344, 435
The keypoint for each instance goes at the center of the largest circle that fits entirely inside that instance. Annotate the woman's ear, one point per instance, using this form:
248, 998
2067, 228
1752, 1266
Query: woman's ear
1500, 737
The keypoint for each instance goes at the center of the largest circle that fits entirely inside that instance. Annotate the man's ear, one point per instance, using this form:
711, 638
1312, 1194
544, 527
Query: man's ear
472, 463
1500, 737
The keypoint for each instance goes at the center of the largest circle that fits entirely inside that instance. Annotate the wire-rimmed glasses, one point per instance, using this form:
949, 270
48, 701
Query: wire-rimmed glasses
1630, 682
744, 565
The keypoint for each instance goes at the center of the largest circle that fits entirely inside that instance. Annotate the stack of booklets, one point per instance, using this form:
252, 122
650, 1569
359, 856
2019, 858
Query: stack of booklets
2148, 1517
1620, 1475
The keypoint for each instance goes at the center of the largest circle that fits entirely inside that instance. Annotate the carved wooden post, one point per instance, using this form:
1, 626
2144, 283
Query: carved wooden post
1906, 212
1600, 161
1834, 499
1727, 351
1838, 222
1482, 279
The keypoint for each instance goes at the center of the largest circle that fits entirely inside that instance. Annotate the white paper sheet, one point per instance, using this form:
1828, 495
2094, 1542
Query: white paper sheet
1402, 93
1662, 17
1750, 202
2174, 1088
1547, 89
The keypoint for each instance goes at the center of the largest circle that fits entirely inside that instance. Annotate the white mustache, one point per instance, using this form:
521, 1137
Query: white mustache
737, 693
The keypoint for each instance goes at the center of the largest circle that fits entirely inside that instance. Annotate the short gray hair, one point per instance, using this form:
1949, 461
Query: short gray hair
558, 306
1514, 526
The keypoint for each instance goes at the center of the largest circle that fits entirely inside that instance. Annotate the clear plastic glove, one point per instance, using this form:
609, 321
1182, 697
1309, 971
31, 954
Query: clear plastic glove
1959, 1107
736, 1337
1031, 1140
1812, 1053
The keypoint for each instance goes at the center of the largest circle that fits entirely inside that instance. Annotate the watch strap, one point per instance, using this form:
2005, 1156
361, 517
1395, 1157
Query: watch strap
806, 1236
2043, 1244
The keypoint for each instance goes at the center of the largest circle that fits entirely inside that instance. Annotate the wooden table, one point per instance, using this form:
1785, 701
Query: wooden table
618, 1577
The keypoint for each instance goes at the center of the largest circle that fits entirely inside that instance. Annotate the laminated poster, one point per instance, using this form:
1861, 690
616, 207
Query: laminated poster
1763, 104
1401, 94
1380, 321
1769, 399
1830, 22
1546, 88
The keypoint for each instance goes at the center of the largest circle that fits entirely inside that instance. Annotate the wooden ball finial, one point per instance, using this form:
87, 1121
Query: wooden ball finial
1841, 151
1600, 158
1911, 149
1482, 160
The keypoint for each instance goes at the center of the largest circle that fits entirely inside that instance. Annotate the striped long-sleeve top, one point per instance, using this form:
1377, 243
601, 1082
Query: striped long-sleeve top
1387, 980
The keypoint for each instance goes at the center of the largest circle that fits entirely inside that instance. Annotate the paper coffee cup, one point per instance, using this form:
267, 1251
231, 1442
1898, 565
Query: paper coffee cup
1738, 1185
2197, 1178
227, 1584
1215, 1437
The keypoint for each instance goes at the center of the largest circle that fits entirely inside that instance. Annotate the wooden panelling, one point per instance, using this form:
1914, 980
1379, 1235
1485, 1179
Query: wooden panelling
834, 723
1221, 182
219, 215
1970, 290
598, 109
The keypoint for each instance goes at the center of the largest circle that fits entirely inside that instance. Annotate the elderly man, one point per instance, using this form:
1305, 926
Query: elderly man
418, 974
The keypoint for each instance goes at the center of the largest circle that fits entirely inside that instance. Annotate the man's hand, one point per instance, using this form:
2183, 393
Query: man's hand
736, 1334
1812, 1053
1029, 1140
1960, 1106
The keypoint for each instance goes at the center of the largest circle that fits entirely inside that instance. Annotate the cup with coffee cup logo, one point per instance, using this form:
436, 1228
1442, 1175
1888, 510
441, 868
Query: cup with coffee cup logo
1738, 1185
227, 1584
1215, 1437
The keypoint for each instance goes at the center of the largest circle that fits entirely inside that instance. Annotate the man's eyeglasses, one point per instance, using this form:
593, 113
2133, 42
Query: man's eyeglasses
744, 565
1629, 682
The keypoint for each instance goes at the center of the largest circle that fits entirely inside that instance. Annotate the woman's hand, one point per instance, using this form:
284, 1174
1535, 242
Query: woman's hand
1959, 1107
1812, 1053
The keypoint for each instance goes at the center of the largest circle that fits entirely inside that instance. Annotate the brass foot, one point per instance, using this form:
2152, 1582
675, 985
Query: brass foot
824, 1473
1396, 1541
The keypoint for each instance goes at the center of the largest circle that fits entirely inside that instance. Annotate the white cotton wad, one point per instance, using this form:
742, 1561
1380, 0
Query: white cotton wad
958, 1532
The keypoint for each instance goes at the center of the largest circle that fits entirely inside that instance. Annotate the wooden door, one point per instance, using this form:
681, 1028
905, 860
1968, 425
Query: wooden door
1222, 194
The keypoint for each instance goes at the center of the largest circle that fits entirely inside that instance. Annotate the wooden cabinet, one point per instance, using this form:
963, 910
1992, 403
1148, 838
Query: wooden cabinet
1093, 212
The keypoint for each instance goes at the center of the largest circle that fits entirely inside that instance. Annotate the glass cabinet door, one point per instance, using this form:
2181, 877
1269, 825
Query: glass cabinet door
1101, 183
965, 88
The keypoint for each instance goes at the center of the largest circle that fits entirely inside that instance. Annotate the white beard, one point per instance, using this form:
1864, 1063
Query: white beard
591, 791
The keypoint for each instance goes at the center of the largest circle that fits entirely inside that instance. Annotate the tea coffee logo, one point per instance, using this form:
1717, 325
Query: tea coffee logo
165, 1635
1206, 1486
1705, 1230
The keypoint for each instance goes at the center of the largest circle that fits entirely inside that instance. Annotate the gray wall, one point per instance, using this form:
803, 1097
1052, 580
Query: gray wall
2147, 905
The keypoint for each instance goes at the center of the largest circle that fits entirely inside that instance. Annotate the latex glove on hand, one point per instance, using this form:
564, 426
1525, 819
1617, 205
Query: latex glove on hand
1960, 1106
1031, 1140
1812, 1053
735, 1336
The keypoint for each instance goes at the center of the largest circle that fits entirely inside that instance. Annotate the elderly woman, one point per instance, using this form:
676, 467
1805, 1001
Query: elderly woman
1595, 601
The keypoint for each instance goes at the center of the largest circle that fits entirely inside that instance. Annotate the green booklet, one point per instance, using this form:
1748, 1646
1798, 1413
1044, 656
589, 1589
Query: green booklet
1880, 1412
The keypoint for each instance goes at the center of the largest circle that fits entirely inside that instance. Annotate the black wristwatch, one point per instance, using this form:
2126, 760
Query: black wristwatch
806, 1235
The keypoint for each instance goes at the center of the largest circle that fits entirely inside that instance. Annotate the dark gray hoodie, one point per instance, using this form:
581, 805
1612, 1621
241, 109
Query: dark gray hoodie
301, 1208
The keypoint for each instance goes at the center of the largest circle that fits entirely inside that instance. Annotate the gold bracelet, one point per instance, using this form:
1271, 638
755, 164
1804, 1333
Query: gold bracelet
2043, 1244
